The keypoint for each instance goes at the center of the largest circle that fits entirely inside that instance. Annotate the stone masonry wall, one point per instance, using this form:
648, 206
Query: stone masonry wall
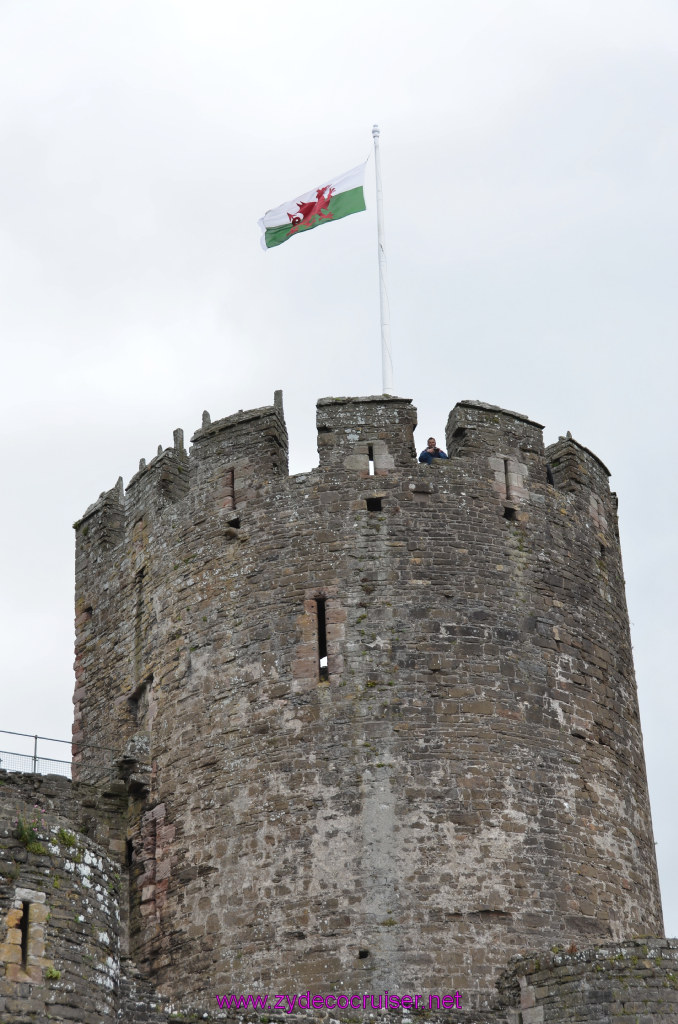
635, 982
378, 721
61, 880
629, 983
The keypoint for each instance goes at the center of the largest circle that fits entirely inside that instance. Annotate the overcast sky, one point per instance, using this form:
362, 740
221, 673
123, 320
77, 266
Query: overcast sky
530, 161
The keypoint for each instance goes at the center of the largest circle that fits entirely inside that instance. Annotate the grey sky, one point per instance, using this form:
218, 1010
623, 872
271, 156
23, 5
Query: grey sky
530, 157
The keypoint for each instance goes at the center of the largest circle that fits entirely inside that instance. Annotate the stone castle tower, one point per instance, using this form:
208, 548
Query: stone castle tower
377, 722
371, 727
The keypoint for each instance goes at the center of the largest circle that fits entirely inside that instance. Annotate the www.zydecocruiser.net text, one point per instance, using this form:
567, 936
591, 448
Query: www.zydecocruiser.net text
342, 1001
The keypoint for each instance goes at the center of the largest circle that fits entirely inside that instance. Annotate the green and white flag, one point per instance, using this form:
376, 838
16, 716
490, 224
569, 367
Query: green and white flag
337, 198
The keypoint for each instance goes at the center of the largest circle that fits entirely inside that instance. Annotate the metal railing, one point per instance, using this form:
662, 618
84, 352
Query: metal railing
16, 761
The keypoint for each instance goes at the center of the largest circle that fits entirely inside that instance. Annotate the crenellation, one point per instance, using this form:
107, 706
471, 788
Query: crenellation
164, 479
101, 527
352, 432
576, 469
473, 427
239, 455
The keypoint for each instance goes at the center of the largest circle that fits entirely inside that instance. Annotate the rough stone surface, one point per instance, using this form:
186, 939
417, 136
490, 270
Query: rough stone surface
61, 886
635, 981
376, 723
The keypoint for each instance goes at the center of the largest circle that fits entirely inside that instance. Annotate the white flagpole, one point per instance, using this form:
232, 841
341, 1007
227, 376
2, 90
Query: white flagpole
386, 361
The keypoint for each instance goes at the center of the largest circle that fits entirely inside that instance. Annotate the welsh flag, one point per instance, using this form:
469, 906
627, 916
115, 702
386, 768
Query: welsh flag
337, 198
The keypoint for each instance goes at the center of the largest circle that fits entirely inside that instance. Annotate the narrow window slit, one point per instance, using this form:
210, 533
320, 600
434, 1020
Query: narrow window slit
323, 673
23, 925
139, 623
373, 504
229, 487
506, 479
370, 457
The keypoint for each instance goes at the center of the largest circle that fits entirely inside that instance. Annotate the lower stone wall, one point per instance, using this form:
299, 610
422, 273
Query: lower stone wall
139, 1007
634, 982
140, 1004
63, 909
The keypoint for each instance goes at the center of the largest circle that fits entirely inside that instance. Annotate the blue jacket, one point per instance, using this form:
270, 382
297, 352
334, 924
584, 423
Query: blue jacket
427, 457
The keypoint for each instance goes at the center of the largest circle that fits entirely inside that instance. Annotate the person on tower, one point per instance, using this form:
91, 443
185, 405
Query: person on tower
432, 452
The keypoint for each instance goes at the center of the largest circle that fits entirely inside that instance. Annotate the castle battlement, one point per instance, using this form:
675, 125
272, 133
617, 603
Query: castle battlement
233, 461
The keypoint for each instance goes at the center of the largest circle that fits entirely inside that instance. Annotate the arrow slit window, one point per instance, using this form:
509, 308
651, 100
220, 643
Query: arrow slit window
321, 619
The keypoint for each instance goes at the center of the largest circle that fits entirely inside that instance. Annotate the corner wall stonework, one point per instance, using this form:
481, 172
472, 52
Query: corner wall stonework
622, 982
67, 876
469, 780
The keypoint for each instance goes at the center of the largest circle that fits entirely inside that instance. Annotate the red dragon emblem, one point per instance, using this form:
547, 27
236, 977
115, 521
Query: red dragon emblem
312, 213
